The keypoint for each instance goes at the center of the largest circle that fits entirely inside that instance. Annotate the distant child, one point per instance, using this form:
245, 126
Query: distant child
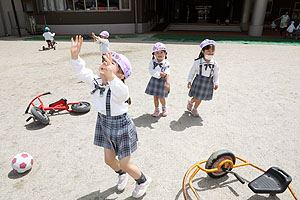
159, 84
103, 43
290, 30
115, 131
206, 80
273, 26
297, 32
49, 37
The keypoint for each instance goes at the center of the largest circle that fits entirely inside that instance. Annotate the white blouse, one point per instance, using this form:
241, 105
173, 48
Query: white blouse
103, 45
160, 66
48, 36
119, 91
208, 69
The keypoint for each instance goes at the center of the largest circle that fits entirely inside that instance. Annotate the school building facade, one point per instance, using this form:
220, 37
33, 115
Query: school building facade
66, 17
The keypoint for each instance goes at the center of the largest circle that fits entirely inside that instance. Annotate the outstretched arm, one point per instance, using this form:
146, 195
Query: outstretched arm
76, 46
85, 74
94, 36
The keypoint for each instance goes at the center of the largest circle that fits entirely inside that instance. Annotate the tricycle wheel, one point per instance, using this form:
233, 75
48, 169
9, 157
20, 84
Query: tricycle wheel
40, 115
215, 159
81, 107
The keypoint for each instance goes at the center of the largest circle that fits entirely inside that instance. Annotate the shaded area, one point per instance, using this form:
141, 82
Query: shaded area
86, 37
221, 38
207, 183
14, 175
35, 125
145, 120
109, 194
185, 121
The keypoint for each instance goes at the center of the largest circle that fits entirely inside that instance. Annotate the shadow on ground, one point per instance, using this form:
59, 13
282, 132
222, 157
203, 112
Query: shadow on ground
145, 120
14, 175
109, 194
185, 121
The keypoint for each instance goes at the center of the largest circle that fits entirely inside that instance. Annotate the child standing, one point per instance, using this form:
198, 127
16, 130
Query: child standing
103, 42
115, 131
206, 80
290, 30
159, 84
49, 37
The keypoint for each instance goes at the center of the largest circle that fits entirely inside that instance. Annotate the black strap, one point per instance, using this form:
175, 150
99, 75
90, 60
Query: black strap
206, 65
108, 113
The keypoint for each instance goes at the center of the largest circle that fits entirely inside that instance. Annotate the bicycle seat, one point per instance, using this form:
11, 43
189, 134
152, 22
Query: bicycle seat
61, 102
273, 181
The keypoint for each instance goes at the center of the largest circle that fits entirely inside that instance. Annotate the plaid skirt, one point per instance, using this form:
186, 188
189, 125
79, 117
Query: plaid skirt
202, 88
117, 133
156, 87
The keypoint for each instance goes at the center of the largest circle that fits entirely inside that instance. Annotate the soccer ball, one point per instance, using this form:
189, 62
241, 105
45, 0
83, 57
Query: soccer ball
22, 162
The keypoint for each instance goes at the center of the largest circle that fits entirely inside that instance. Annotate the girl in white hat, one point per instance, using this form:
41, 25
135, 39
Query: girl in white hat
159, 84
115, 131
103, 43
207, 80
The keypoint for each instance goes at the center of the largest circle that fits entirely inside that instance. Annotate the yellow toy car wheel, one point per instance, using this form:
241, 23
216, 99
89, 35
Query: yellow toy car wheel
215, 159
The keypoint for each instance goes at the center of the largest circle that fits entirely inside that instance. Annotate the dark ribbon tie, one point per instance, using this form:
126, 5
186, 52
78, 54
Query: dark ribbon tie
157, 64
98, 87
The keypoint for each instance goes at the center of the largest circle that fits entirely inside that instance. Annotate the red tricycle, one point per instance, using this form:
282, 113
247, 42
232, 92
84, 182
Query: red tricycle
39, 112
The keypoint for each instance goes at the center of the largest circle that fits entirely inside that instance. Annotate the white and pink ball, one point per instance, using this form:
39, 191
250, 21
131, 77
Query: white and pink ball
22, 162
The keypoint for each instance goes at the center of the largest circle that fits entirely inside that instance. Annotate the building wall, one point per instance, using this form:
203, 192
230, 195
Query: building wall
85, 22
8, 18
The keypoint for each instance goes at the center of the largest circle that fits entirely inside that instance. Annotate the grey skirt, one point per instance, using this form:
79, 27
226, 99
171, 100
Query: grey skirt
156, 87
202, 88
117, 133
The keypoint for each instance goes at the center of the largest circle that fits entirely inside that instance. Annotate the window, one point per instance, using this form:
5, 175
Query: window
296, 13
269, 6
102, 4
82, 5
125, 4
113, 5
69, 5
60, 5
79, 4
90, 4
51, 5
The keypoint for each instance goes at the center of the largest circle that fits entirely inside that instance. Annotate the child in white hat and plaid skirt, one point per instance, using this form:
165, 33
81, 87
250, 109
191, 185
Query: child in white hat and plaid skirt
159, 84
115, 131
207, 77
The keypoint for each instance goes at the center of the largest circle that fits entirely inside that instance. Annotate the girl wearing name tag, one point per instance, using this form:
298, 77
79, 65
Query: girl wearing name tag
206, 70
115, 131
159, 84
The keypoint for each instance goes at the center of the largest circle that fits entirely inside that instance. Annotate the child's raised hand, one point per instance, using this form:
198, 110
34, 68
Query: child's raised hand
76, 46
189, 85
106, 67
94, 36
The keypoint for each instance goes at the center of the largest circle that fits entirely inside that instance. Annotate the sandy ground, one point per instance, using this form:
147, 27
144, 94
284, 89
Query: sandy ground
254, 113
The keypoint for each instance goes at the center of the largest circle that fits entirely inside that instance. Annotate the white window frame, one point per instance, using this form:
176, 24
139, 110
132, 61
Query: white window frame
297, 10
108, 10
271, 6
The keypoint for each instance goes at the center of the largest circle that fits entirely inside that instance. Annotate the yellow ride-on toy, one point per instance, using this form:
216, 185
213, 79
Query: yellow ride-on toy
220, 163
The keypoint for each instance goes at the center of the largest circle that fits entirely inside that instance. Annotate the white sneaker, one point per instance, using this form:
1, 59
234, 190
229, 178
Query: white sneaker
141, 189
123, 179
